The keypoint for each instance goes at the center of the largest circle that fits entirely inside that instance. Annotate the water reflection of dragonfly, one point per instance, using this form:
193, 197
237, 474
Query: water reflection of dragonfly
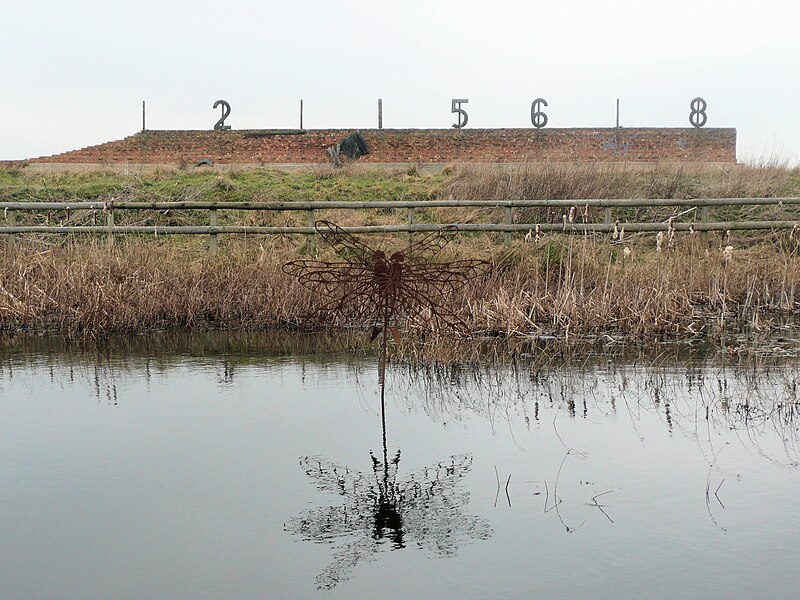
378, 510
381, 512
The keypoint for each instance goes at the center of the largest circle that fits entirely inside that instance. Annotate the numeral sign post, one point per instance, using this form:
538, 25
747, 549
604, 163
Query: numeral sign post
698, 115
455, 107
538, 117
226, 111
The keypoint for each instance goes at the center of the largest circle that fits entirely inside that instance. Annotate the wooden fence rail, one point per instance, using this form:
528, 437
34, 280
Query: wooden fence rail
698, 206
330, 204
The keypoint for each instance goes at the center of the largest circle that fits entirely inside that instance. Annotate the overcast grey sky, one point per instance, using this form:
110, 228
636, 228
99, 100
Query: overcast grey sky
75, 72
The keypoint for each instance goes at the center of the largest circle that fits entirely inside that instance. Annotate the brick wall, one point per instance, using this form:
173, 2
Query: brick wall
12, 164
707, 145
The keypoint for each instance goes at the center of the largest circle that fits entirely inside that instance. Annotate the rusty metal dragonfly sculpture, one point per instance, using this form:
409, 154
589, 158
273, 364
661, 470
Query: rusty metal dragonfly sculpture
382, 290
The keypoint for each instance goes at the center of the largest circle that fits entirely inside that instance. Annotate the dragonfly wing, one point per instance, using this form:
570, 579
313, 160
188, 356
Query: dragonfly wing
427, 288
348, 290
329, 523
430, 244
437, 480
441, 279
346, 245
325, 277
330, 477
363, 549
427, 313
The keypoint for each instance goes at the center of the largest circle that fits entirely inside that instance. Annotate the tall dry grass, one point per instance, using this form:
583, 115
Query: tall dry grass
597, 181
564, 286
89, 289
588, 180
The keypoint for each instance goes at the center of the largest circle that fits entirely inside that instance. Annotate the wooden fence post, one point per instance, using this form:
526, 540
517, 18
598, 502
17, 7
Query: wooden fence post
110, 224
11, 221
212, 221
410, 223
311, 237
706, 235
509, 219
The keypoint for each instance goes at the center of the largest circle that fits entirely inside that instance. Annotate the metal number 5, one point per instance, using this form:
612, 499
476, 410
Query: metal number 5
226, 110
462, 114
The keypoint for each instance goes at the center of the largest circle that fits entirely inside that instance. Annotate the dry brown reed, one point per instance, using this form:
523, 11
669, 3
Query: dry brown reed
592, 181
564, 286
137, 285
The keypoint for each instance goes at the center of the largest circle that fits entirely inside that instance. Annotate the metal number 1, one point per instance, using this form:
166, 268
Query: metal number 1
455, 107
226, 110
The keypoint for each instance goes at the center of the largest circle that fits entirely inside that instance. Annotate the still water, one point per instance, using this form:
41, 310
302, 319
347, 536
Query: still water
208, 472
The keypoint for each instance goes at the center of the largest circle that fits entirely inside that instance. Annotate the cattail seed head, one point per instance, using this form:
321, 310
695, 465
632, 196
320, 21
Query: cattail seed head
727, 253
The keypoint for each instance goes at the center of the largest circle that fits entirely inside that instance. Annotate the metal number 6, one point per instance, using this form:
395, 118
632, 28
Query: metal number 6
226, 110
538, 116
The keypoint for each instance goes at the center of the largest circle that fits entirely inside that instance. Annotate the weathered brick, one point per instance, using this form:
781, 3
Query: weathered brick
709, 145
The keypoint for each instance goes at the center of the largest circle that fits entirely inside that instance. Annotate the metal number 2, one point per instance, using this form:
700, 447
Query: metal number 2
226, 110
698, 115
455, 107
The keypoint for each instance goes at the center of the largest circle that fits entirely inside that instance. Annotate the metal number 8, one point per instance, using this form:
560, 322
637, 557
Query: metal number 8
698, 115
